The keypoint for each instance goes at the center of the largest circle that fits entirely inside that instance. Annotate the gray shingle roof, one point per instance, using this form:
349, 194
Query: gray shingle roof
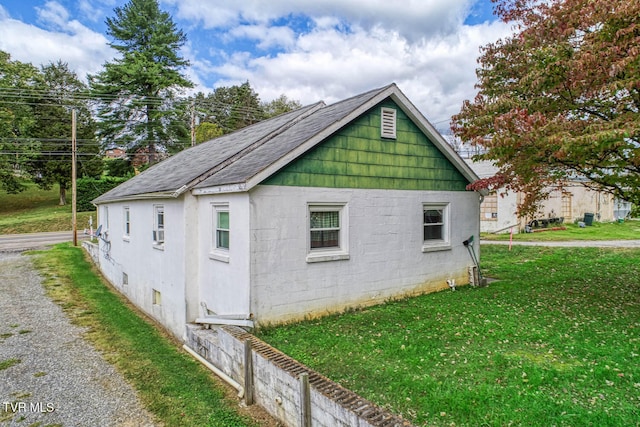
236, 158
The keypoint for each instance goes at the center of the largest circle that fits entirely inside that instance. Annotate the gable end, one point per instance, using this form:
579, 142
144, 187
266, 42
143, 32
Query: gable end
357, 156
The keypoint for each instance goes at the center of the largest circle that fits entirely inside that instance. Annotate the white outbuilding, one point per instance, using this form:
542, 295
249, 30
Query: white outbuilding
312, 212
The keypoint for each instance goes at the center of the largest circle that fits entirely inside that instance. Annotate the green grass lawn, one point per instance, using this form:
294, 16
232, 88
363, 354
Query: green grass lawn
598, 231
171, 384
556, 341
35, 210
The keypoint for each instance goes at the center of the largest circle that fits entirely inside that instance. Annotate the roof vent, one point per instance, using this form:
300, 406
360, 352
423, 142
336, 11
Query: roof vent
388, 123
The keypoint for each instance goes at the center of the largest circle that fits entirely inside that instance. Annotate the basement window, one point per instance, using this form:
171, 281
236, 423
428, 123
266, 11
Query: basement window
388, 123
157, 297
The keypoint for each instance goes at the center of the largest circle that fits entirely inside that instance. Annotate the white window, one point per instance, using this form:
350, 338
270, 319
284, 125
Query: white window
105, 220
327, 232
158, 225
220, 240
388, 122
435, 227
222, 229
127, 222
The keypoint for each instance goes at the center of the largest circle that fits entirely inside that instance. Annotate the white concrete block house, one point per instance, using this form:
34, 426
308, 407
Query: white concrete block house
311, 212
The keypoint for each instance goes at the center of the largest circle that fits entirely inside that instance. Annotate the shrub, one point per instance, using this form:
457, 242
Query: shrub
90, 188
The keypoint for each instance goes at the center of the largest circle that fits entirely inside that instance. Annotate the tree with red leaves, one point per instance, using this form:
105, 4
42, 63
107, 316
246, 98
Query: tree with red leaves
559, 99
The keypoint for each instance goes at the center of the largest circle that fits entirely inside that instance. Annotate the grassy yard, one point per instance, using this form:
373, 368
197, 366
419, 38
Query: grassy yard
556, 341
174, 387
35, 210
598, 231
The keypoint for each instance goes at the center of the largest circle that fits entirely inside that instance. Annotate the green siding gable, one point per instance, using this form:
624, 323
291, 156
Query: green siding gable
357, 157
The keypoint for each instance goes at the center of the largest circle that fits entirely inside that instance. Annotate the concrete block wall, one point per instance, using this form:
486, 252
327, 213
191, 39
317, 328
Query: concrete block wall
276, 382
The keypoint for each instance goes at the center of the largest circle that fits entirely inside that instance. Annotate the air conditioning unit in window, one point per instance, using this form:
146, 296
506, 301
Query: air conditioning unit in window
158, 236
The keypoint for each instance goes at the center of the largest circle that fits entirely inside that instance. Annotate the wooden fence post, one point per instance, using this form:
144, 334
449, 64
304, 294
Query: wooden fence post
305, 400
248, 373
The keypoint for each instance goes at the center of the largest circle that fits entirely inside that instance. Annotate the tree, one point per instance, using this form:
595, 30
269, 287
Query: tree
560, 98
61, 92
206, 131
231, 108
18, 96
280, 105
137, 89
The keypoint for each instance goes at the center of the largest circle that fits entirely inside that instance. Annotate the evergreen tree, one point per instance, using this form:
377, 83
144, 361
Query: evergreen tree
137, 89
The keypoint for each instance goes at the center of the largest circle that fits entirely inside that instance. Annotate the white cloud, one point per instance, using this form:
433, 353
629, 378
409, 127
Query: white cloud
83, 49
3, 13
95, 10
309, 50
412, 18
268, 37
53, 15
347, 47
326, 64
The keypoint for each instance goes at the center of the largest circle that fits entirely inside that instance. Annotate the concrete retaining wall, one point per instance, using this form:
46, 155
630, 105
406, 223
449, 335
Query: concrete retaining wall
288, 390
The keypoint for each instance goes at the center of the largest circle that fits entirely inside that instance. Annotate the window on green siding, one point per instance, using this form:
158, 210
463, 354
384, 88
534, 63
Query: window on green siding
222, 229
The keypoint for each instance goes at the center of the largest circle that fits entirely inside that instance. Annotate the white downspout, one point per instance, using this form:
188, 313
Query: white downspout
216, 371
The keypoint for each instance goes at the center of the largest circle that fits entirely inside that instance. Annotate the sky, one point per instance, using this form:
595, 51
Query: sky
308, 50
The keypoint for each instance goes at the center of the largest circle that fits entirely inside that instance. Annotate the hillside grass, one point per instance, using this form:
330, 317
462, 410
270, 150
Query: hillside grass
35, 210
556, 341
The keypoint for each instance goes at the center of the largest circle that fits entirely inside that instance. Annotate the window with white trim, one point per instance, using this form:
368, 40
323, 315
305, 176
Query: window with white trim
220, 232
158, 224
327, 232
388, 122
105, 220
222, 227
435, 226
127, 221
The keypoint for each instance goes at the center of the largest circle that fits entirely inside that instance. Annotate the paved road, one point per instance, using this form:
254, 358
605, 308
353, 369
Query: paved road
28, 241
573, 243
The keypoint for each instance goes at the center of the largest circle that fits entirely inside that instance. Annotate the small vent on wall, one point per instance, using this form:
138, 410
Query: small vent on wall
157, 297
388, 123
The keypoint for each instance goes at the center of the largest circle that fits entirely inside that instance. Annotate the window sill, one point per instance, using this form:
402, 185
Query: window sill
219, 257
126, 238
436, 246
327, 256
158, 246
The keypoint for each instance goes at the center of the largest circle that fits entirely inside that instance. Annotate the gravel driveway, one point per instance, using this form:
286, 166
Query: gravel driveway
49, 374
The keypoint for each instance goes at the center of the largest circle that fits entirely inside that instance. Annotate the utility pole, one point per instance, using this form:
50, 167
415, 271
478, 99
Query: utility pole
74, 217
193, 123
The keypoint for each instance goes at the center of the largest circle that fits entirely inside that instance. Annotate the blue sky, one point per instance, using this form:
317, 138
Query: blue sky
309, 50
